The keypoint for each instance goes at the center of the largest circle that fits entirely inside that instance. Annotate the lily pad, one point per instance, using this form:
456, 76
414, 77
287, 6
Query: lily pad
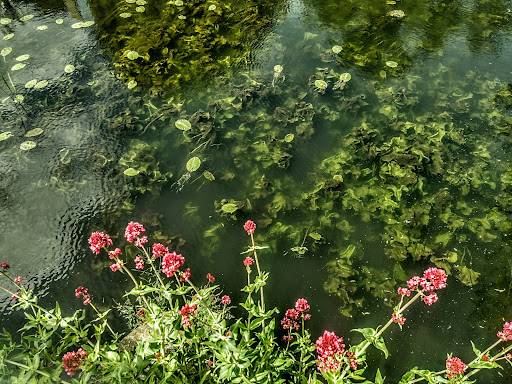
23, 58
337, 48
18, 66
9, 36
42, 27
27, 145
132, 55
392, 64
6, 51
208, 175
140, 9
27, 17
5, 135
289, 137
34, 132
193, 164
183, 124
131, 172
59, 21
278, 68
131, 84
69, 68
5, 21
229, 208
212, 7
41, 84
345, 77
320, 84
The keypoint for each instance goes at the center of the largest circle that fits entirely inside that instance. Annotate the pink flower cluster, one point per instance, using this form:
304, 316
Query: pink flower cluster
250, 227
294, 314
398, 318
99, 240
171, 262
159, 250
210, 278
330, 349
433, 279
72, 361
5, 267
133, 231
506, 334
114, 255
226, 300
185, 275
117, 266
248, 261
18, 280
454, 366
186, 311
139, 262
81, 291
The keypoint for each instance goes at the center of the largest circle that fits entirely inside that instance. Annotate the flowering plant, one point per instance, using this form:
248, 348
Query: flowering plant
185, 333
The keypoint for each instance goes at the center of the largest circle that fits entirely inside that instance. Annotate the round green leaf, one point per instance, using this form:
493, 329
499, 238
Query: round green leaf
125, 15
5, 135
5, 21
337, 49
69, 68
18, 66
345, 77
179, 3
320, 84
26, 17
42, 28
183, 124
6, 51
27, 145
59, 21
31, 84
229, 208
131, 84
132, 55
131, 172
9, 36
140, 9
212, 7
41, 84
193, 164
315, 236
34, 132
208, 175
23, 58
278, 68
289, 138
392, 64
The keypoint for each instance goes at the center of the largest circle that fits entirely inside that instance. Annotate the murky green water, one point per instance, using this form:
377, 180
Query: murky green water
399, 165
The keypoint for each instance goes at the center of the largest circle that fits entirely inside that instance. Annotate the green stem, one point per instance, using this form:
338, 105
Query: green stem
45, 374
153, 267
106, 322
259, 273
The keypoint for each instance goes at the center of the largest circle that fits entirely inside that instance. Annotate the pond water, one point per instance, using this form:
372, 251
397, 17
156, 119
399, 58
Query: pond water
367, 140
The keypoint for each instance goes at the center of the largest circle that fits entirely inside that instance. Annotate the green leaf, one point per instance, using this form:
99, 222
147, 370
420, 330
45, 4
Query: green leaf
5, 135
18, 66
315, 236
6, 51
140, 9
337, 48
392, 64
26, 18
69, 68
378, 377
345, 77
42, 28
23, 58
229, 208
41, 84
27, 145
9, 36
131, 84
132, 55
408, 377
477, 352
59, 21
34, 132
193, 164
320, 84
82, 24
208, 175
31, 84
183, 124
468, 276
289, 137
5, 21
381, 345
125, 15
131, 172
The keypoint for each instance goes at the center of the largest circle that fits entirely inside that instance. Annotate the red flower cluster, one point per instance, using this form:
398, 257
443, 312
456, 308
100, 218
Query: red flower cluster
186, 311
5, 267
139, 262
430, 299
403, 292
248, 261
159, 250
72, 361
454, 366
433, 279
330, 349
226, 300
133, 231
185, 275
81, 291
506, 334
99, 240
141, 241
171, 262
116, 267
115, 253
398, 318
250, 227
302, 306
19, 279
210, 277
291, 315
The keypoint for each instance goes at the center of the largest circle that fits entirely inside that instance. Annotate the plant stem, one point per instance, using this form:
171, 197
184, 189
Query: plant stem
99, 314
153, 267
259, 273
45, 374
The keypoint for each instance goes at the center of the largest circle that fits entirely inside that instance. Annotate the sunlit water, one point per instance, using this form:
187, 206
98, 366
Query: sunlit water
54, 195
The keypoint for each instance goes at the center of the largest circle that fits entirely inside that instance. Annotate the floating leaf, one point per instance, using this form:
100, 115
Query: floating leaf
382, 74
131, 84
315, 236
69, 68
320, 84
42, 28
179, 3
397, 13
27, 145
131, 172
141, 2
19, 99
5, 21
9, 36
34, 132
125, 15
193, 164
59, 21
212, 7
183, 124
6, 51
140, 9
26, 18
130, 1
41, 84
18, 66
23, 58
468, 276
208, 175
345, 77
182, 17
392, 64
289, 138
337, 49
64, 159
31, 84
5, 135
229, 208
132, 55
82, 24
278, 68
